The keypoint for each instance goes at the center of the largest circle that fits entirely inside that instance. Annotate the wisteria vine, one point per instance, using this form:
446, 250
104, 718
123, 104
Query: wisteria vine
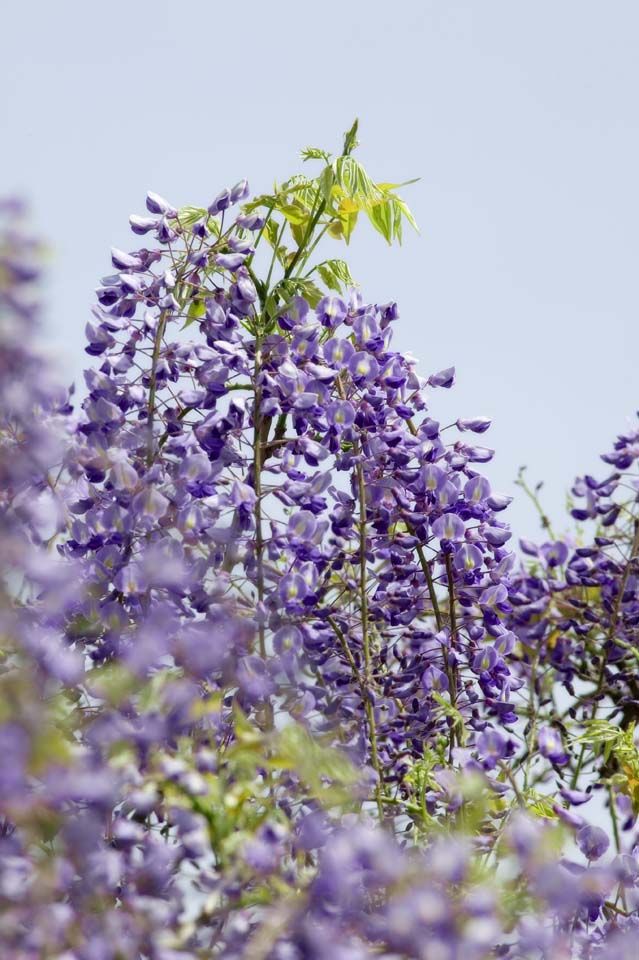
275, 682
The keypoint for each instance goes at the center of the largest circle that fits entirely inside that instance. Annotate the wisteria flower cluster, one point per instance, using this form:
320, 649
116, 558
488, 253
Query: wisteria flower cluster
275, 683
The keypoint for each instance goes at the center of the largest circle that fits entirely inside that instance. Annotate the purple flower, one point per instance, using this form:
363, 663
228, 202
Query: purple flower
592, 841
491, 747
292, 589
575, 797
434, 679
551, 746
220, 203
157, 204
363, 367
338, 353
240, 191
340, 414
484, 660
476, 489
331, 311
142, 225
150, 504
555, 554
445, 378
250, 221
302, 525
449, 527
253, 678
475, 425
124, 261
468, 557
230, 261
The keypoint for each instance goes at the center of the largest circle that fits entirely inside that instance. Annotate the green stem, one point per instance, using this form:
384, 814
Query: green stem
157, 346
451, 672
370, 714
533, 716
634, 547
257, 486
613, 817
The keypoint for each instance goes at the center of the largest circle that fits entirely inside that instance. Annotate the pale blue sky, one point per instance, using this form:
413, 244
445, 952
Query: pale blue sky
520, 118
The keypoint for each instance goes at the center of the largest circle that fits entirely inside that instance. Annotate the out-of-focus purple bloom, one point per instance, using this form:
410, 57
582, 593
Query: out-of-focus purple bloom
551, 746
491, 746
592, 841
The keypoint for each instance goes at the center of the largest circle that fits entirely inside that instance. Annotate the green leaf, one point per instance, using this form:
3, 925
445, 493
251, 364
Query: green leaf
272, 231
189, 215
355, 183
294, 213
450, 711
325, 184
315, 153
350, 138
341, 270
304, 190
327, 772
299, 286
540, 805
335, 274
329, 278
382, 219
387, 187
405, 212
196, 310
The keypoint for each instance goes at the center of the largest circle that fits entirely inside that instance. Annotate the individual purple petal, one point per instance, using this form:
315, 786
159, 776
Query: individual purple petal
497, 536
433, 477
150, 503
568, 816
484, 660
626, 869
253, 678
555, 554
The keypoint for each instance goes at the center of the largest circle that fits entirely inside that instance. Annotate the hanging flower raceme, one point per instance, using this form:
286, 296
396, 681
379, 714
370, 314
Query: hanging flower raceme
274, 446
